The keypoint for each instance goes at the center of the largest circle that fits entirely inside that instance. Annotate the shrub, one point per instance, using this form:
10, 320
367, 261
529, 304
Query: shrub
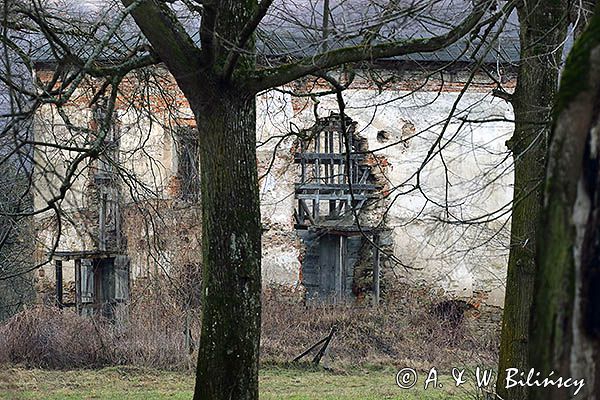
50, 338
402, 331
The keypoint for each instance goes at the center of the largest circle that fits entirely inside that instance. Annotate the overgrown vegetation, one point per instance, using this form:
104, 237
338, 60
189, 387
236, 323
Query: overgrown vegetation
402, 332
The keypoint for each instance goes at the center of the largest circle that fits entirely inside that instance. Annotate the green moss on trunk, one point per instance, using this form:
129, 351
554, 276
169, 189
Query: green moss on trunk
228, 353
575, 76
533, 100
569, 230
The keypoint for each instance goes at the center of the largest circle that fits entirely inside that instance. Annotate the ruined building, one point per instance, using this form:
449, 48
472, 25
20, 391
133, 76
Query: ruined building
351, 206
334, 186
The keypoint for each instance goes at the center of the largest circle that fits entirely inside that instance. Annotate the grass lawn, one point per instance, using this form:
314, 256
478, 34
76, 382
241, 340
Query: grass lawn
131, 383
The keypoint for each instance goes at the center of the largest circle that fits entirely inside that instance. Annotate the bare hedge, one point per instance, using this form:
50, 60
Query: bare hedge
402, 331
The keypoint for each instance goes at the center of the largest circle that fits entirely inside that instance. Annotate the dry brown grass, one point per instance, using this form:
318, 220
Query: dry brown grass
45, 337
401, 332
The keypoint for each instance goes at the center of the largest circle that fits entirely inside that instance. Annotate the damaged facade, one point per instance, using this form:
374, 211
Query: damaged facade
335, 184
406, 211
350, 207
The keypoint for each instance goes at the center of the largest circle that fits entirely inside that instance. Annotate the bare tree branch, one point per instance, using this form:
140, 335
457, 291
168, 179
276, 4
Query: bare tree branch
272, 77
168, 37
245, 35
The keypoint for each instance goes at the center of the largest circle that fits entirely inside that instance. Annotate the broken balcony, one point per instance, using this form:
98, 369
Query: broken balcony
335, 185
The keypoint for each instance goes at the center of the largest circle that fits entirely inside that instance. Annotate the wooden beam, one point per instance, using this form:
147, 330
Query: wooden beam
325, 158
299, 213
331, 150
336, 186
325, 341
342, 204
325, 347
59, 283
316, 200
330, 196
376, 270
344, 271
78, 285
304, 207
340, 269
311, 348
365, 175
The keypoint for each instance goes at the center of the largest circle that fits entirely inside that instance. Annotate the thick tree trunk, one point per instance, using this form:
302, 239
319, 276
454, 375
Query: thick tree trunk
566, 318
228, 352
231, 228
542, 32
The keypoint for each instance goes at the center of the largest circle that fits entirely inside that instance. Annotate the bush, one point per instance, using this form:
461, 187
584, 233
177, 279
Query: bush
403, 331
46, 337
50, 338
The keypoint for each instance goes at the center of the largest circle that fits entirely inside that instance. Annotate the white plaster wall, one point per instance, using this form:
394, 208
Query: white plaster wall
146, 151
52, 162
281, 246
459, 258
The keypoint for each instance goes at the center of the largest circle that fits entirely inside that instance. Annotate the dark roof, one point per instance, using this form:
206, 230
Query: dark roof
292, 29
301, 34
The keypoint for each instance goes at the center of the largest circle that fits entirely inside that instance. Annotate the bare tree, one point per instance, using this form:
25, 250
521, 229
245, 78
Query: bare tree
16, 250
543, 34
565, 328
220, 85
210, 49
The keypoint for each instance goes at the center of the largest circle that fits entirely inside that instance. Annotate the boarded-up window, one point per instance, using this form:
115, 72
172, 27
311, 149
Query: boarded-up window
188, 167
121, 275
103, 285
87, 281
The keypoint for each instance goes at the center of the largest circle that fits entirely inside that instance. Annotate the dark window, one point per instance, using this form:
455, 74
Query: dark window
103, 285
